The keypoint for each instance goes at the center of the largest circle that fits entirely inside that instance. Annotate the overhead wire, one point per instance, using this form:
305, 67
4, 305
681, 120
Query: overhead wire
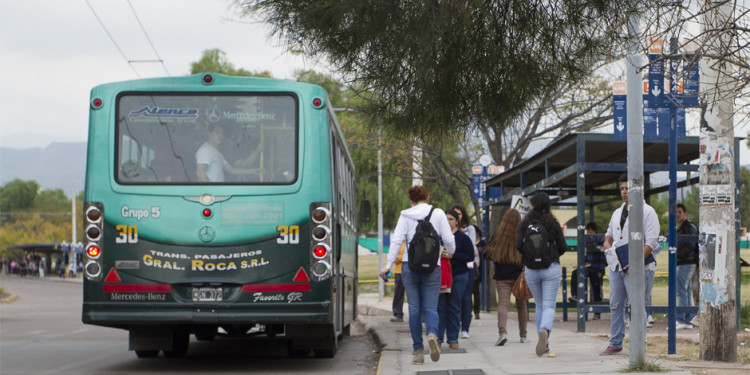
112, 39
143, 29
160, 60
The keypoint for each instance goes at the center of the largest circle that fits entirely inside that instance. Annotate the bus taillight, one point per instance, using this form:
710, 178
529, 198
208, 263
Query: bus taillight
321, 254
92, 218
93, 251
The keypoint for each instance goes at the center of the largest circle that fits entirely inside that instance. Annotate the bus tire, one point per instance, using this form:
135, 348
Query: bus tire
295, 351
180, 343
325, 352
146, 353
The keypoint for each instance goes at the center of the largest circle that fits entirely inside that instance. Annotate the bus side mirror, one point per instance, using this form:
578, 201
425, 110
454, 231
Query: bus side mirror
365, 211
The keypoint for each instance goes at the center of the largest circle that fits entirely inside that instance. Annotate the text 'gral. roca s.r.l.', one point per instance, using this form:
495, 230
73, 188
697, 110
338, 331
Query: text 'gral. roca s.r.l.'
204, 262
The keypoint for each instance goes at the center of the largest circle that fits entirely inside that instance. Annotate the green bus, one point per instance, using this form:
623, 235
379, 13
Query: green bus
218, 205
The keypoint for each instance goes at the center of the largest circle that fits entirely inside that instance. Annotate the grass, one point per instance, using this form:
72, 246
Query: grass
644, 366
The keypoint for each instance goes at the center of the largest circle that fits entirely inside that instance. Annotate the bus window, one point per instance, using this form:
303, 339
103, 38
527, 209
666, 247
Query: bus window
206, 139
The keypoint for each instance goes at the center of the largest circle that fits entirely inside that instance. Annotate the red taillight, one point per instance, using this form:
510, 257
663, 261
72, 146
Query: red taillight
320, 233
206, 212
93, 214
320, 251
93, 233
319, 215
208, 79
93, 251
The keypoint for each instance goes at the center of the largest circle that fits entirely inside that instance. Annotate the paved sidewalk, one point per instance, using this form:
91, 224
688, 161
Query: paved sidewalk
574, 353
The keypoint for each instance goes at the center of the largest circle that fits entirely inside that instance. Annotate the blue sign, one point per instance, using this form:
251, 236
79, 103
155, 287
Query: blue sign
655, 81
650, 122
691, 81
476, 186
619, 107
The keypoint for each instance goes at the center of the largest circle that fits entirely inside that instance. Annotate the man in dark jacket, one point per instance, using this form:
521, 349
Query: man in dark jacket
687, 261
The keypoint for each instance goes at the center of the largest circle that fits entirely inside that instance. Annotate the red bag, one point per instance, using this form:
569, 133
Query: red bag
446, 279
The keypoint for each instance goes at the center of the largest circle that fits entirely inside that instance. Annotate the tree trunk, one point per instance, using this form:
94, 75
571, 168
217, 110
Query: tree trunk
717, 240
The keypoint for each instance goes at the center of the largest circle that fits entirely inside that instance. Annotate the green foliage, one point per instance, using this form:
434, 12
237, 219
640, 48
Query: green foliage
441, 66
32, 215
18, 195
644, 366
215, 61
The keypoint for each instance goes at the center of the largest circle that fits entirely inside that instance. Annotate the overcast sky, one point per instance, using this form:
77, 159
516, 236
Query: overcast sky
53, 52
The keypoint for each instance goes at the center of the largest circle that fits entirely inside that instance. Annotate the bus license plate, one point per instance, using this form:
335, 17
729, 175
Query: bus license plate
207, 294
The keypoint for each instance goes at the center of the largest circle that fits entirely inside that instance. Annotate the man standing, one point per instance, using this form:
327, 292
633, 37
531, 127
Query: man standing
687, 260
398, 288
615, 246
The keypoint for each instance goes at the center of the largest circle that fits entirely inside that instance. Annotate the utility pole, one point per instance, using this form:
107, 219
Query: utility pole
718, 220
636, 280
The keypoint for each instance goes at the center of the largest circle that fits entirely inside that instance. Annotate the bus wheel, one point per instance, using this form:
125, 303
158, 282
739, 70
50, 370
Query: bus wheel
296, 352
325, 352
205, 334
329, 351
180, 342
146, 353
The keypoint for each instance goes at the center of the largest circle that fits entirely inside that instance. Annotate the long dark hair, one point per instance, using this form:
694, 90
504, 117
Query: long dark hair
502, 248
465, 222
540, 211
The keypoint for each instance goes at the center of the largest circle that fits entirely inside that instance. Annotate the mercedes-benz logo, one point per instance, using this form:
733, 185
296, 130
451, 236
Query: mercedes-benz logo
213, 114
206, 233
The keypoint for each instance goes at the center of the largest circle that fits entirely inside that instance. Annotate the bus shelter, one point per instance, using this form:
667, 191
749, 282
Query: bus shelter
580, 170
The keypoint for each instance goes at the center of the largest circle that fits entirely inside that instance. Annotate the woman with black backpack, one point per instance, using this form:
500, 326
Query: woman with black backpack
421, 278
541, 242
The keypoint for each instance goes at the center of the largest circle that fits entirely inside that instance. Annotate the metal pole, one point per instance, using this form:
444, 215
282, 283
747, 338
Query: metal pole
636, 280
381, 284
671, 306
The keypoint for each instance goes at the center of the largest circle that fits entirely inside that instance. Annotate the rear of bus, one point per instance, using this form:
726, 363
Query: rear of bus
210, 209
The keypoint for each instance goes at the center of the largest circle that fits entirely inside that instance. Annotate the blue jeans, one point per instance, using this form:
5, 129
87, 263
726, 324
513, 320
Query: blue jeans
466, 306
618, 296
649, 280
684, 287
453, 315
443, 302
544, 285
422, 291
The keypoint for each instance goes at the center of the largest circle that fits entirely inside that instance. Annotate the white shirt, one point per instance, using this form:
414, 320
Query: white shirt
407, 226
620, 235
210, 156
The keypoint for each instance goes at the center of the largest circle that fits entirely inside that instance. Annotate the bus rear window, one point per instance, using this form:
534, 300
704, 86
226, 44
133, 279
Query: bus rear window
188, 139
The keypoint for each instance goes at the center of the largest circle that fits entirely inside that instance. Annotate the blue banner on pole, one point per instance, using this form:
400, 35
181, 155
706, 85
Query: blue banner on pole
619, 109
655, 81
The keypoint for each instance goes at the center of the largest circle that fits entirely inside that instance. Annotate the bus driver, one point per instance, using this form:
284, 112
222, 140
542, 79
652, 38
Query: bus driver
210, 162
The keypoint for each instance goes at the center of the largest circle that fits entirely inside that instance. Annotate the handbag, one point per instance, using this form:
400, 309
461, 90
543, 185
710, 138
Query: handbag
520, 288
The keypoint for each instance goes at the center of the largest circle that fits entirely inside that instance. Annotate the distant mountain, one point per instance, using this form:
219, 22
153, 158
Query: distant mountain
57, 166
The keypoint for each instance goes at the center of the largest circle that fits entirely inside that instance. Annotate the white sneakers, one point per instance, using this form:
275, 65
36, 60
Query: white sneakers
695, 321
684, 326
465, 334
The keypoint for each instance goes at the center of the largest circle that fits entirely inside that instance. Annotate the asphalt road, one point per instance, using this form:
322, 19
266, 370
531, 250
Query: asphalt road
41, 333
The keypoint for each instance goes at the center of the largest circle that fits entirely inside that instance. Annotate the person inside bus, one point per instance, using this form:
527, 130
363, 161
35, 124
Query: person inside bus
210, 162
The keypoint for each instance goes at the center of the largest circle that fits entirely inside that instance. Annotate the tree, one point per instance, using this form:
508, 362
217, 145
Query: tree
464, 63
215, 61
744, 186
18, 195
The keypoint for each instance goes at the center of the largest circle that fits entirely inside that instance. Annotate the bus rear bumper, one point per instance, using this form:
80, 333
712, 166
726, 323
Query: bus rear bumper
118, 315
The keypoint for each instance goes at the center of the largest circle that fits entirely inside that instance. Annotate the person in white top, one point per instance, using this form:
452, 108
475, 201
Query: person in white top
617, 237
210, 162
422, 290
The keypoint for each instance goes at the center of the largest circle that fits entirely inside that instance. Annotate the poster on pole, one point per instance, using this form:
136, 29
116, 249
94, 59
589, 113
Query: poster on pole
522, 204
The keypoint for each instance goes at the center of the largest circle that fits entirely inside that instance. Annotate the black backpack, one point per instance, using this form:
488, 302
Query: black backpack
537, 247
424, 248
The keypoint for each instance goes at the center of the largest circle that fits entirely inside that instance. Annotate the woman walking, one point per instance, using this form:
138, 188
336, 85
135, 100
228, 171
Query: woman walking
466, 306
461, 281
543, 282
508, 266
422, 290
